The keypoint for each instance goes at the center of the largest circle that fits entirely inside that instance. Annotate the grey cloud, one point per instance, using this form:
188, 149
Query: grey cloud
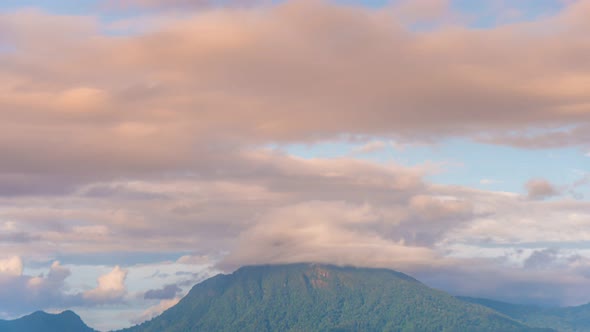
563, 286
578, 135
20, 294
164, 293
431, 217
541, 189
24, 293
19, 237
120, 192
22, 184
541, 258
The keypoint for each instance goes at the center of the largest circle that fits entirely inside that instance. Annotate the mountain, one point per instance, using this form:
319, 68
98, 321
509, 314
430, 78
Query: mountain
41, 321
314, 297
568, 319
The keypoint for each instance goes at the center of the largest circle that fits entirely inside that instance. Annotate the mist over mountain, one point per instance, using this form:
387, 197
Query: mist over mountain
567, 319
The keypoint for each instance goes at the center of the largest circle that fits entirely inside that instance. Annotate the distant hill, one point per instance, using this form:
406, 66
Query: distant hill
41, 321
568, 319
313, 297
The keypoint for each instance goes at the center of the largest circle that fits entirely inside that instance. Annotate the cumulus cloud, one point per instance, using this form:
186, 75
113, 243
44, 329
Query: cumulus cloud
541, 189
54, 281
22, 293
110, 288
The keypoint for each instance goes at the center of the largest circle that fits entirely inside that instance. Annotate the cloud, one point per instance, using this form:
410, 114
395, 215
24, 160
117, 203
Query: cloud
560, 137
155, 310
156, 4
249, 76
18, 237
11, 266
194, 260
422, 11
430, 217
21, 293
328, 232
110, 288
549, 287
370, 147
81, 99
54, 280
541, 258
541, 189
167, 292
276, 208
175, 5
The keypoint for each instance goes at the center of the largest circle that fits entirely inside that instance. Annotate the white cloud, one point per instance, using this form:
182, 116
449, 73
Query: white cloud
370, 147
155, 310
195, 260
111, 287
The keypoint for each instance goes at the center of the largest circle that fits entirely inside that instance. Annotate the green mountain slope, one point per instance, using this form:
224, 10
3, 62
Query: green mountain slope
312, 297
41, 321
568, 319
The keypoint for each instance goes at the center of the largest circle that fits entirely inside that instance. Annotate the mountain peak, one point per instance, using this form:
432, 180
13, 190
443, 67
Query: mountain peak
322, 297
41, 321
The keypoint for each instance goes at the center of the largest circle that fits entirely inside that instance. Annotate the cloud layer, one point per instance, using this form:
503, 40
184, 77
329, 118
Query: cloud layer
185, 93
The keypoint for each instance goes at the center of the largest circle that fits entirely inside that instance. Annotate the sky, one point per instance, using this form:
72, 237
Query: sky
146, 145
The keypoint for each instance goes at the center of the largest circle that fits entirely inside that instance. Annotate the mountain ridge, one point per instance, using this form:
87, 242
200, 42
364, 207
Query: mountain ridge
323, 297
41, 321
